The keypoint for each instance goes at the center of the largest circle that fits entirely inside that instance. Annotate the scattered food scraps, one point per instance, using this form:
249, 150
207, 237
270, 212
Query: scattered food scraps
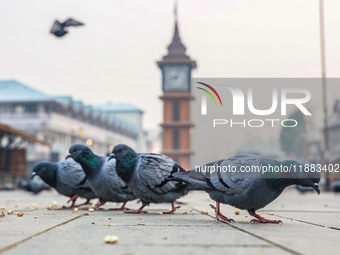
20, 214
111, 239
237, 212
54, 204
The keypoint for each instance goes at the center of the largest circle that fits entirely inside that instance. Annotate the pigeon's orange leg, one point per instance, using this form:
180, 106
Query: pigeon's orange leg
260, 219
87, 202
173, 209
122, 208
96, 206
219, 214
139, 210
73, 199
180, 202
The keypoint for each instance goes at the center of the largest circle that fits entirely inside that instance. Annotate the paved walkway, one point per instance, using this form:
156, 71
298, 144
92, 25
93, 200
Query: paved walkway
311, 225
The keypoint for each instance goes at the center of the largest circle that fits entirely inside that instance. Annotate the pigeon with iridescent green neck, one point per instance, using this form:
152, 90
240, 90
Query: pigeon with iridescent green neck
250, 182
102, 177
67, 177
146, 174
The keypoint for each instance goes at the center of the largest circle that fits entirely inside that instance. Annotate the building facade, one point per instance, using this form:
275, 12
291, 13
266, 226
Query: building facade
129, 114
61, 122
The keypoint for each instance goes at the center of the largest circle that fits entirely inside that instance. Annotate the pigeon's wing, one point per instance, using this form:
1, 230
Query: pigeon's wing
72, 175
233, 175
154, 171
224, 175
112, 179
55, 27
72, 22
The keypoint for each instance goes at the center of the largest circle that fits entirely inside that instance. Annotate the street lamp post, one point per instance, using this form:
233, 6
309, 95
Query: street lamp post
324, 91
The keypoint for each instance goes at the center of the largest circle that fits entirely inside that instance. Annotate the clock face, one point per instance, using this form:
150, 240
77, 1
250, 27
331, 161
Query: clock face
176, 77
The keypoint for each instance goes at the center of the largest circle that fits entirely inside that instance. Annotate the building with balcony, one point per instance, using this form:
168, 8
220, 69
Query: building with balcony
62, 121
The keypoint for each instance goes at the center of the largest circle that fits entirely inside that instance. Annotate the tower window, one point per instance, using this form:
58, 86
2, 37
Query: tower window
175, 111
175, 139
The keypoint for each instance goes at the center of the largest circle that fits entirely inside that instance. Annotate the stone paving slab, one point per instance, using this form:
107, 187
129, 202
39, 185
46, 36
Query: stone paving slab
188, 231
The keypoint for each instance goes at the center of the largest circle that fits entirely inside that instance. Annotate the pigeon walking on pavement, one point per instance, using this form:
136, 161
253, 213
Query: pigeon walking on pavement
58, 28
67, 177
34, 185
146, 175
249, 190
102, 176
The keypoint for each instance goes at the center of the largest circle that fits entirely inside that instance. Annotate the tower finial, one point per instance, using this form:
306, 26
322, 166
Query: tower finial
176, 33
176, 49
175, 9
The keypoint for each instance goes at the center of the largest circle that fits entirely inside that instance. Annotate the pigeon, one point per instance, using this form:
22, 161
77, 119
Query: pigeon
146, 175
335, 186
67, 177
227, 182
58, 28
102, 176
34, 185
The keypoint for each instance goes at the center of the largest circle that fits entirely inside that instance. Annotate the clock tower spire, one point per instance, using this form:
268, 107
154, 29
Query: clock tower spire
176, 69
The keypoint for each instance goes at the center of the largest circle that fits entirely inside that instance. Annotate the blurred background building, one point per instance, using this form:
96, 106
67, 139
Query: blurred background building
131, 115
53, 123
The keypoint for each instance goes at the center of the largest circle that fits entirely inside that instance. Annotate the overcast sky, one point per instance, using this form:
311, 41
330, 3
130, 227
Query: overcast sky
113, 57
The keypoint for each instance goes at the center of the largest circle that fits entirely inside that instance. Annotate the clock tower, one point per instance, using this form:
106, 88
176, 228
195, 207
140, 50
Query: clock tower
176, 69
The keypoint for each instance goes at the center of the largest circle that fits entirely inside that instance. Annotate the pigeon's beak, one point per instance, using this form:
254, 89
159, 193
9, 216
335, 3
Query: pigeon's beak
316, 187
111, 156
68, 156
33, 174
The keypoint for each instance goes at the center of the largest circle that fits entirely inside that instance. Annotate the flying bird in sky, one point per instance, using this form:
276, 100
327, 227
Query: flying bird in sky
58, 28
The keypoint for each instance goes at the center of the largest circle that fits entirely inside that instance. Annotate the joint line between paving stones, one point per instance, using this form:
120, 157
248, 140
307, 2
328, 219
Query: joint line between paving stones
304, 211
6, 248
306, 222
254, 235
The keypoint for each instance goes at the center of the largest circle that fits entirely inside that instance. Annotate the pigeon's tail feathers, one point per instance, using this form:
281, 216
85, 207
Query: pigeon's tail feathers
180, 169
185, 176
191, 187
